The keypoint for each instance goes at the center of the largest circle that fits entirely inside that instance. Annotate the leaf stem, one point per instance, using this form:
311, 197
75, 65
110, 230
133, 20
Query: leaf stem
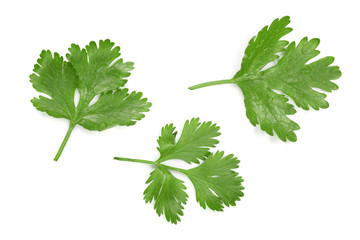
66, 138
150, 162
206, 84
135, 160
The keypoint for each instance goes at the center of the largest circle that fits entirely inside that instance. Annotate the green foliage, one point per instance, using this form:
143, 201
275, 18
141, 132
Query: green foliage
216, 174
95, 71
291, 74
214, 179
168, 192
193, 144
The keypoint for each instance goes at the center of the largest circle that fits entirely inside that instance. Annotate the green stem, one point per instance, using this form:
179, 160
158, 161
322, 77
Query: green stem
150, 162
206, 84
135, 160
58, 154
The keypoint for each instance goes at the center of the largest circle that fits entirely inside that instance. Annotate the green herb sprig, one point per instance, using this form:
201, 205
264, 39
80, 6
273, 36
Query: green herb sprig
214, 179
95, 71
291, 74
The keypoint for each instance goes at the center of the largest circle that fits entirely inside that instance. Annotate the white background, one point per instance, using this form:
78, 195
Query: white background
303, 190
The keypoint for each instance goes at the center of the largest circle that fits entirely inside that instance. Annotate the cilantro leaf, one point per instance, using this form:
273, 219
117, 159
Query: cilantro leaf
216, 174
93, 71
193, 144
264, 47
297, 82
214, 179
270, 109
291, 74
98, 68
168, 192
114, 108
57, 79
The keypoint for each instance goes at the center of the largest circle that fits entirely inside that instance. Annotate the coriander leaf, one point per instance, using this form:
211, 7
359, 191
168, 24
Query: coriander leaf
193, 144
216, 183
93, 71
98, 68
296, 79
292, 75
264, 47
215, 175
270, 109
57, 79
168, 192
114, 108
166, 140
